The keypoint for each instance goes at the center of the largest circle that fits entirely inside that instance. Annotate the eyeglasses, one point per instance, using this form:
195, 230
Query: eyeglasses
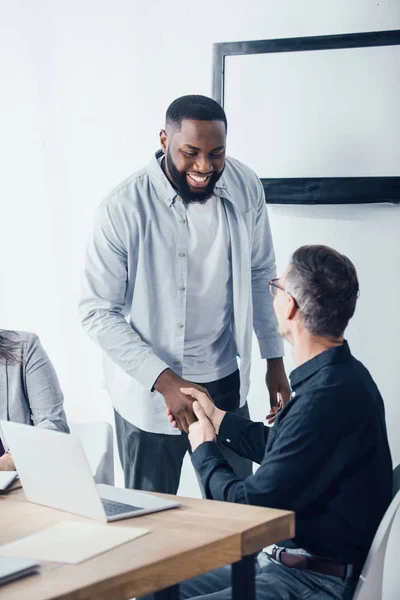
274, 287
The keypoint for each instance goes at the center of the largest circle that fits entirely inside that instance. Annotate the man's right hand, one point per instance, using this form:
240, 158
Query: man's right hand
214, 415
169, 384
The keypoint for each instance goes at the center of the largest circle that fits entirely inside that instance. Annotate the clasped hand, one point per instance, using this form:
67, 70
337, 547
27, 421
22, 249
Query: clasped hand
189, 408
169, 384
208, 417
203, 429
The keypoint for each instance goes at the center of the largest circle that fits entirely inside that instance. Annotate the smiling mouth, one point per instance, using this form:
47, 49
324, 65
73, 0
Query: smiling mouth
198, 180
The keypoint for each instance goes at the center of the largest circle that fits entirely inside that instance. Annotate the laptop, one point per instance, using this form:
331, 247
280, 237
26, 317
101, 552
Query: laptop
6, 479
14, 567
54, 471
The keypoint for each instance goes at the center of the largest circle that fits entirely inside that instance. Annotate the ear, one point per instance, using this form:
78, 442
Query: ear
163, 140
291, 309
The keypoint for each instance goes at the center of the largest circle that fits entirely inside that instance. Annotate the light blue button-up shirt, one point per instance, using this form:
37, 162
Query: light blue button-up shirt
136, 261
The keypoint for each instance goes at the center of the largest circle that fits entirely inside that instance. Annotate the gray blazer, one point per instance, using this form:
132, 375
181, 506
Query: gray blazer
29, 389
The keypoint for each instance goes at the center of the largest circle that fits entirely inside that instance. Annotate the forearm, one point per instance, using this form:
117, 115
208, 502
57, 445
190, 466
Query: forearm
244, 437
56, 423
42, 388
115, 336
102, 306
263, 269
264, 319
218, 479
45, 399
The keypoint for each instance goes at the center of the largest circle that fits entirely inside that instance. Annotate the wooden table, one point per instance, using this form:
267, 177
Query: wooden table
197, 537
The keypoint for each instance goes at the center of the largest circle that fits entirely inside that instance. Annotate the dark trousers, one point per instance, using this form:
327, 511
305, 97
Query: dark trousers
153, 461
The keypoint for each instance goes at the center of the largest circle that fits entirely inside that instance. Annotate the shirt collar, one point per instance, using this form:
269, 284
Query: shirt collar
311, 367
165, 189
160, 180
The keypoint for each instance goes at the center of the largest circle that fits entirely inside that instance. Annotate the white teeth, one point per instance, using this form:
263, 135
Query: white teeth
197, 178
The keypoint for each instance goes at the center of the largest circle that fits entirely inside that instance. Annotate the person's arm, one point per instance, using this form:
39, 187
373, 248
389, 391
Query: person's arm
243, 437
42, 388
304, 443
263, 269
102, 310
102, 304
265, 325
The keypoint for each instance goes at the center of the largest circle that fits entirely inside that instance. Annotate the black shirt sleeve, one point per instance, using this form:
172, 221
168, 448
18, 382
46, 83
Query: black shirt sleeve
219, 480
303, 442
244, 437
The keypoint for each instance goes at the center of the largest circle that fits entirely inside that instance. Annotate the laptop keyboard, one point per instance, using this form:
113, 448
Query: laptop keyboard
113, 508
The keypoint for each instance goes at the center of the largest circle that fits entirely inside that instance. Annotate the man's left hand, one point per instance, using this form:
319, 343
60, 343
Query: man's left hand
277, 382
201, 431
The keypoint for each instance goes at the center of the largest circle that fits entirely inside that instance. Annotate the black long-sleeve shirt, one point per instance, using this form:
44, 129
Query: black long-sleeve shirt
327, 458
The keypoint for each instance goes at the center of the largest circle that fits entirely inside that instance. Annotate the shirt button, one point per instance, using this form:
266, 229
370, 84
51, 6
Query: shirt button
182, 289
177, 362
183, 221
228, 440
182, 254
293, 395
180, 325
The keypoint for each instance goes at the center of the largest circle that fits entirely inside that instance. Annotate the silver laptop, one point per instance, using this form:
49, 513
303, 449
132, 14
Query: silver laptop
54, 471
14, 567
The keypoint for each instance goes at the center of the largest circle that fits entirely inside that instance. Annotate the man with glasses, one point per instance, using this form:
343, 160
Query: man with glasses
326, 457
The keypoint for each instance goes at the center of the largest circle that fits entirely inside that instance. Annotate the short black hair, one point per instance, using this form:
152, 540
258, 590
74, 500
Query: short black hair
325, 286
195, 107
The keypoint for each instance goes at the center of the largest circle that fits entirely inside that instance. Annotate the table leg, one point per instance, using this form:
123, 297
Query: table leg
171, 593
243, 579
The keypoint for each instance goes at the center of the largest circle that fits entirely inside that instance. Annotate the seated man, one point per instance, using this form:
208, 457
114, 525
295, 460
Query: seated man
326, 457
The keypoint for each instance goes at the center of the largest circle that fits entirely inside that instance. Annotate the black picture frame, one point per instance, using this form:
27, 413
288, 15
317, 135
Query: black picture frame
313, 190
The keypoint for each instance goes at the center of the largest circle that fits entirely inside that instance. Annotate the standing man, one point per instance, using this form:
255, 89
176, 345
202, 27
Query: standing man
182, 249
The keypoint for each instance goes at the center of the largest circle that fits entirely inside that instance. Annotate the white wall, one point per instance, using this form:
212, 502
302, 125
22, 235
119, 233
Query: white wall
84, 88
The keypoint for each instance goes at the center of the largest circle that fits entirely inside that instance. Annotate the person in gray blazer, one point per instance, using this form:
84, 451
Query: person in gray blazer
29, 388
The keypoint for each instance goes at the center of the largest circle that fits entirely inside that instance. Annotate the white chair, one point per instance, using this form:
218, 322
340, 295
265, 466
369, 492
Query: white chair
396, 480
379, 578
97, 442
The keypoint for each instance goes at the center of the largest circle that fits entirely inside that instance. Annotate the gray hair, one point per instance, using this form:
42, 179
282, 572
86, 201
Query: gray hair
324, 285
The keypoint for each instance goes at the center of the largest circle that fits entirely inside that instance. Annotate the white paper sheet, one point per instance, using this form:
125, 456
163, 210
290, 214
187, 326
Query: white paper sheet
71, 542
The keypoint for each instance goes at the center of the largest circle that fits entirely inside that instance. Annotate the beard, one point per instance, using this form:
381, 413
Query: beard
181, 185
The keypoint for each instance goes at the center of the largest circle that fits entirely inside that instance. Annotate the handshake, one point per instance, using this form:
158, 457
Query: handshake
189, 408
